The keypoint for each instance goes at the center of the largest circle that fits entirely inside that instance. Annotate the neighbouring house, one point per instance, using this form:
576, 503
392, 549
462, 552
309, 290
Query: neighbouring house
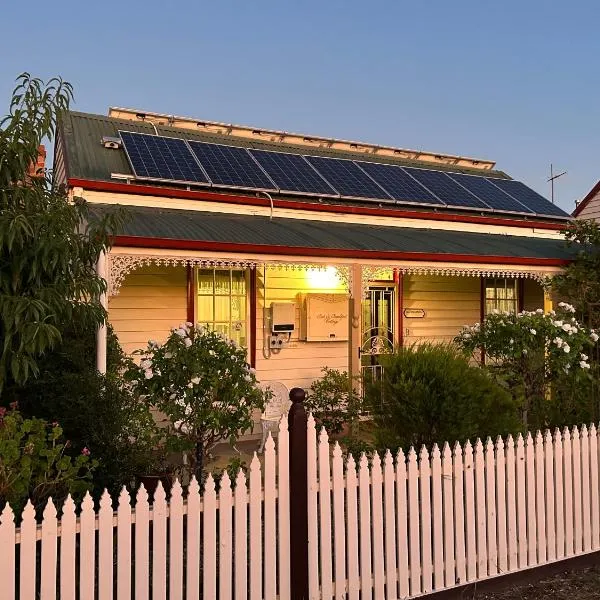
589, 207
308, 251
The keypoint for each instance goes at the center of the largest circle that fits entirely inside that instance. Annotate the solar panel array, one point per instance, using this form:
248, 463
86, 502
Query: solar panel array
161, 158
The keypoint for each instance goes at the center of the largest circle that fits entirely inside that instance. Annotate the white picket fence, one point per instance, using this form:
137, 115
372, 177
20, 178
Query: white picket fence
388, 529
225, 544
380, 529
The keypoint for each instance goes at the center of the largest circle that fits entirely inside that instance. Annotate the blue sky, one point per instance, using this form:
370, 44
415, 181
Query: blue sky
512, 81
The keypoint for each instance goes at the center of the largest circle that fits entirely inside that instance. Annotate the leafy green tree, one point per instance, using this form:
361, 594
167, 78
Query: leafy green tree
48, 246
579, 283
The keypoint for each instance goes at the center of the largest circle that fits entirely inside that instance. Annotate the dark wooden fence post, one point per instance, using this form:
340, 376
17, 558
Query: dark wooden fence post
298, 496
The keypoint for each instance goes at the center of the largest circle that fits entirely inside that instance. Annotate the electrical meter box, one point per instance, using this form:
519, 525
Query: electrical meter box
283, 317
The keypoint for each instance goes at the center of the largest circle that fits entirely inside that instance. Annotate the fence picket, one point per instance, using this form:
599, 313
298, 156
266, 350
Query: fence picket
176, 542
437, 518
49, 555
471, 542
7, 551
459, 515
449, 572
28, 551
520, 502
577, 512
550, 496
352, 527
426, 554
159, 544
364, 508
594, 500
568, 491
391, 559
414, 533
87, 548
480, 510
530, 498
240, 514
402, 527
209, 539
540, 499
559, 497
283, 507
325, 553
511, 501
142, 545
270, 523
377, 526
255, 531
585, 489
192, 543
123, 546
226, 538
501, 520
313, 519
339, 524
490, 492
68, 525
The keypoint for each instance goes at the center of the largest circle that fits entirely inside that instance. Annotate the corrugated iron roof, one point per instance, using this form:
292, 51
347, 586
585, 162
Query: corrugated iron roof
182, 225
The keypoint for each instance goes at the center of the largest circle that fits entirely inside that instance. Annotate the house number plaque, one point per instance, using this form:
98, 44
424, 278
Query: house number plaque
414, 313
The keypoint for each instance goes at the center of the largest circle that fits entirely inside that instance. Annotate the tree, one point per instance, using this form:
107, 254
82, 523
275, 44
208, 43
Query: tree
48, 247
579, 283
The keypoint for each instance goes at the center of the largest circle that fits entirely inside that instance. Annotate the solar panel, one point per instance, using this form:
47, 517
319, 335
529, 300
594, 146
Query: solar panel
489, 193
347, 178
534, 201
399, 184
445, 188
231, 166
158, 157
292, 173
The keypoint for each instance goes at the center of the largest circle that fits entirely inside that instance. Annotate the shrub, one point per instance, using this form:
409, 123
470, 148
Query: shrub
201, 382
34, 463
541, 358
430, 393
332, 400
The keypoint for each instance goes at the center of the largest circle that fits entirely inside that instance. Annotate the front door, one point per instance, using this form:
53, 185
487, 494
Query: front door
378, 328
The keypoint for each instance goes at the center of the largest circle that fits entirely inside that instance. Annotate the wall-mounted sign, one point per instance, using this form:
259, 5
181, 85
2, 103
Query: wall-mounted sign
326, 318
414, 313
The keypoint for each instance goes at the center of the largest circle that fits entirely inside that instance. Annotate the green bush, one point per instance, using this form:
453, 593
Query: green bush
34, 463
430, 393
332, 400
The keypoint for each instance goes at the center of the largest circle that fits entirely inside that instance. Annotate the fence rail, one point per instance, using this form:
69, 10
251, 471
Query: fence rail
379, 527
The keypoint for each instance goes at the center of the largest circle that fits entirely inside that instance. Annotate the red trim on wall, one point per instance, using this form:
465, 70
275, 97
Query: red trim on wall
191, 299
148, 190
586, 200
399, 281
253, 292
168, 243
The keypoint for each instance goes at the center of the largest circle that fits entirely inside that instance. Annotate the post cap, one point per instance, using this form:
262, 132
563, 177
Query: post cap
297, 395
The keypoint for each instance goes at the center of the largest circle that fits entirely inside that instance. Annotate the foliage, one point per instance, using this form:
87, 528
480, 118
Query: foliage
579, 283
34, 463
430, 393
333, 400
201, 382
543, 359
49, 246
94, 410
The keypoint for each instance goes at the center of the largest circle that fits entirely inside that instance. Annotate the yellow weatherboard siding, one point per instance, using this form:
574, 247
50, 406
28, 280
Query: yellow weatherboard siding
151, 300
299, 363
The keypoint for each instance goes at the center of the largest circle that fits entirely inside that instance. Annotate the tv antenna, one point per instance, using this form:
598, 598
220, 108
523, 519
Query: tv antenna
551, 180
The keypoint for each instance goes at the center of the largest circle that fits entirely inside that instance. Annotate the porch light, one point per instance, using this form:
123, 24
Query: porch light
323, 278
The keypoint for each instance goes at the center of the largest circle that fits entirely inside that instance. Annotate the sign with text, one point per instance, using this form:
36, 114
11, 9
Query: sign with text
326, 317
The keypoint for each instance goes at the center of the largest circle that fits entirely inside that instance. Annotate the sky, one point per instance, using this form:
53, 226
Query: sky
513, 81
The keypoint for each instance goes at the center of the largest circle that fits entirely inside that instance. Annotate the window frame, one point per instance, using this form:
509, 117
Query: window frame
492, 283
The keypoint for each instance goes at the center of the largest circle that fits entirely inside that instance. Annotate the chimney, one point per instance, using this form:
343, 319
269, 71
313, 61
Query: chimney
37, 168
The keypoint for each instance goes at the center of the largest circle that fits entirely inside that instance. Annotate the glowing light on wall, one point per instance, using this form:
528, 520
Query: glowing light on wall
323, 279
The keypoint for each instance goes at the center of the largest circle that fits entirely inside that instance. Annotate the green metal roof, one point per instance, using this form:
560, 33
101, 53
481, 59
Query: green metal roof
87, 158
182, 225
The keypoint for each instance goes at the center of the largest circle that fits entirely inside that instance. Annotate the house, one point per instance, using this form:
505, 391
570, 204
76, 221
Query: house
308, 251
589, 207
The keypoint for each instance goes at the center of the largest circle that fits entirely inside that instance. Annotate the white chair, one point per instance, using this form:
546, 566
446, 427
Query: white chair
277, 406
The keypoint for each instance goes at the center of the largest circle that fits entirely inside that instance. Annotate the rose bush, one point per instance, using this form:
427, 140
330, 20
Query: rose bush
543, 359
201, 382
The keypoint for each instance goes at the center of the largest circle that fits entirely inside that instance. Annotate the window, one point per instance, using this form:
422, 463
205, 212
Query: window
501, 295
222, 302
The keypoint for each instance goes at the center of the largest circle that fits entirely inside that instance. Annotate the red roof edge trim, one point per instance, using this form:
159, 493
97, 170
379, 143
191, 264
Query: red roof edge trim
173, 244
586, 200
148, 190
